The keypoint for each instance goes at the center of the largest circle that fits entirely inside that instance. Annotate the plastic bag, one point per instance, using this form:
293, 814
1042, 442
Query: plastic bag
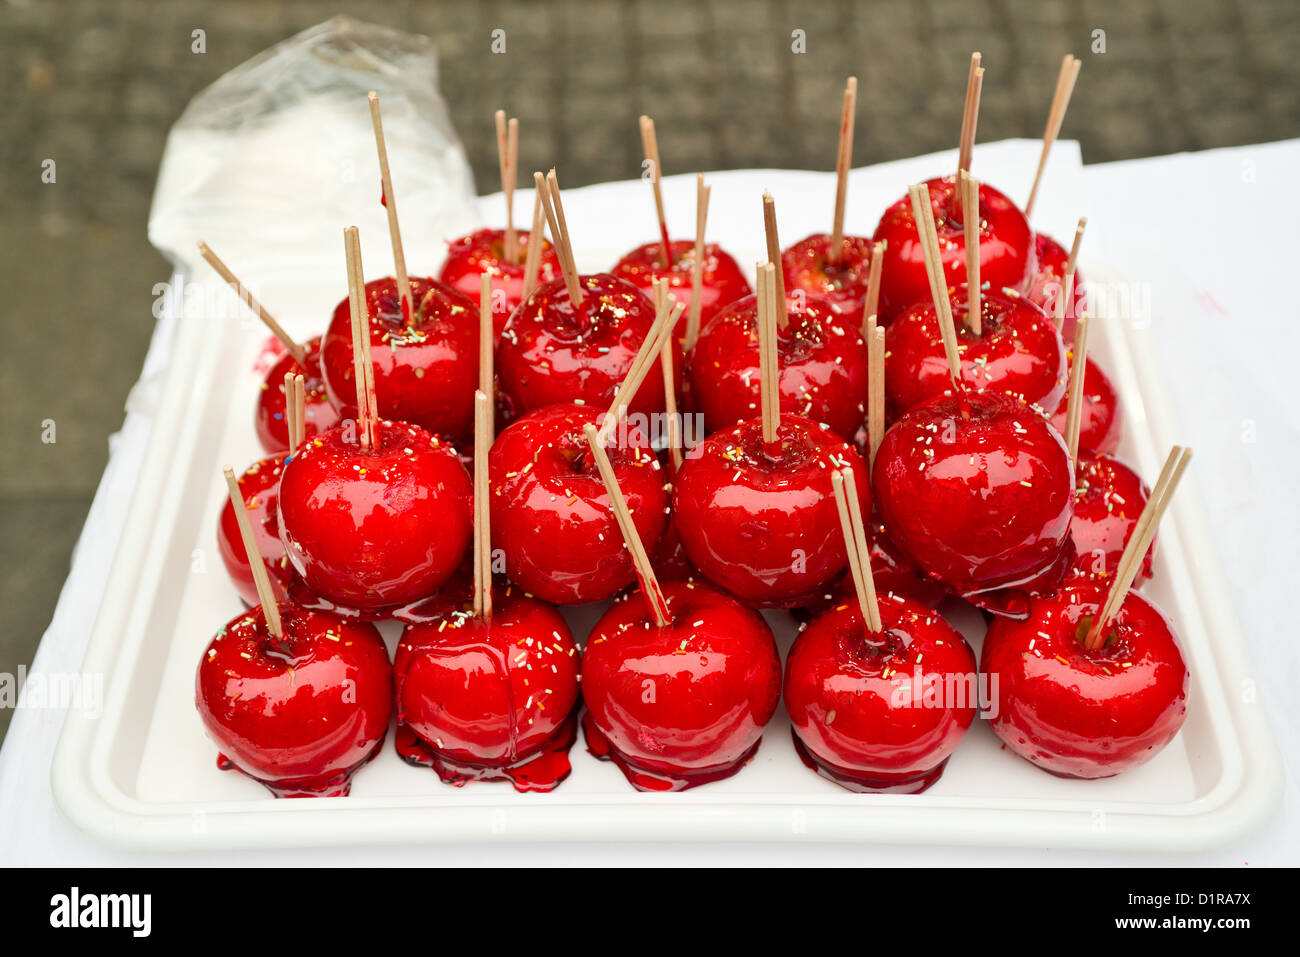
273, 160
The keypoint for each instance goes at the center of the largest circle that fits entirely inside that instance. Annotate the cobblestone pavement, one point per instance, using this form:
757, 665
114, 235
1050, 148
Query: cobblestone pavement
97, 84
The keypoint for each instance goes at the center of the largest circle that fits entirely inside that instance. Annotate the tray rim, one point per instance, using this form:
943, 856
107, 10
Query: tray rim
84, 789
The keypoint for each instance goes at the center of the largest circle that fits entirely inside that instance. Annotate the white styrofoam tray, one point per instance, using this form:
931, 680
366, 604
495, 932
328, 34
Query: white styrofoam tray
143, 773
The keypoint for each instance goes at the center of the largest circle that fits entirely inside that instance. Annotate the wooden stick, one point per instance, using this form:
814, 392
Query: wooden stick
1139, 542
623, 515
508, 160
872, 305
295, 350
855, 545
697, 272
390, 204
657, 336
875, 390
843, 160
774, 257
549, 189
923, 212
261, 580
482, 511
970, 114
970, 187
1074, 402
299, 410
290, 410
769, 374
486, 336
670, 384
1066, 299
1055, 117
362, 365
533, 254
650, 145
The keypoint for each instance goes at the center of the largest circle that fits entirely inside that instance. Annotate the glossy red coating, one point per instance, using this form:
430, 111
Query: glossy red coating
489, 699
807, 268
372, 529
269, 418
483, 251
260, 487
1006, 246
425, 371
765, 526
300, 713
880, 712
1046, 287
821, 366
721, 284
1018, 353
552, 352
1101, 420
1108, 500
683, 705
550, 511
1081, 713
978, 490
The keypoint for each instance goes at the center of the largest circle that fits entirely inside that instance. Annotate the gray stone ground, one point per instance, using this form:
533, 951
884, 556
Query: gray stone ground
96, 86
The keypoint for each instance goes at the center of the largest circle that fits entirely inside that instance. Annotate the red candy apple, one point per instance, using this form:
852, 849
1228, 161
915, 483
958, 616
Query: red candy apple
299, 713
320, 414
685, 704
1101, 417
807, 268
821, 366
1109, 498
483, 251
550, 511
426, 369
721, 283
1086, 713
494, 698
761, 522
1005, 239
260, 487
979, 491
880, 712
1018, 353
1048, 284
375, 528
553, 351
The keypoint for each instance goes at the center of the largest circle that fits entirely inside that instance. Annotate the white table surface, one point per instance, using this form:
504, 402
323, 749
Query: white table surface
1214, 234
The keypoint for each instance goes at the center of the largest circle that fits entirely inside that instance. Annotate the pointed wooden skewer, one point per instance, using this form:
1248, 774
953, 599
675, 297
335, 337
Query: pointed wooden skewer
299, 411
623, 515
390, 204
1065, 301
1139, 542
843, 160
650, 146
875, 388
659, 334
261, 580
923, 212
872, 305
362, 366
774, 257
508, 160
482, 510
1074, 400
548, 188
533, 254
293, 348
970, 188
486, 336
970, 115
290, 411
769, 374
670, 384
855, 545
1055, 117
697, 270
